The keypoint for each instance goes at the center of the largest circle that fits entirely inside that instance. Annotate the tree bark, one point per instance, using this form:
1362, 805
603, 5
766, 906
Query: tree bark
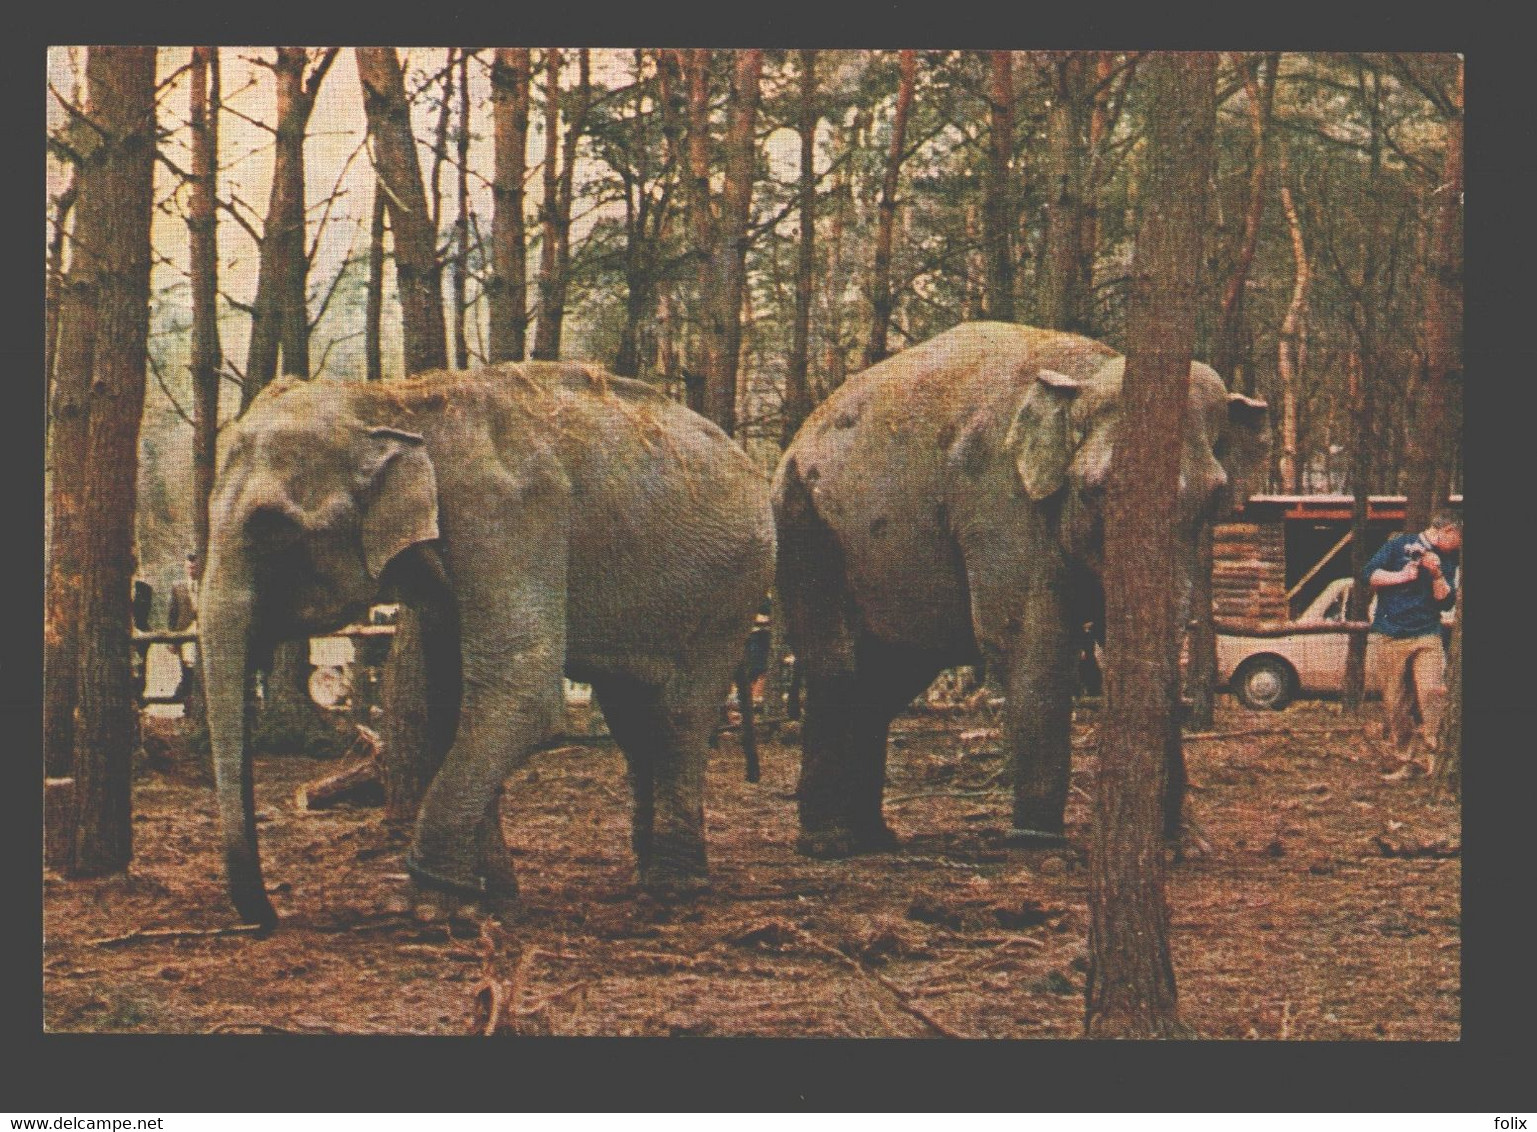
1289, 341
116, 203
705, 355
280, 314
462, 216
797, 390
507, 289
881, 301
1130, 990
1432, 443
646, 190
1448, 771
68, 411
373, 311
1062, 293
203, 249
1230, 361
559, 171
998, 207
418, 274
729, 286
1361, 390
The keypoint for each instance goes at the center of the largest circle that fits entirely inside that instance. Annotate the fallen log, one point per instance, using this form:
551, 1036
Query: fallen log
360, 781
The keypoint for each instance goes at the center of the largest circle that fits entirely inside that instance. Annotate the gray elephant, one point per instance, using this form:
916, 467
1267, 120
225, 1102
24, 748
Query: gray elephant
945, 506
543, 518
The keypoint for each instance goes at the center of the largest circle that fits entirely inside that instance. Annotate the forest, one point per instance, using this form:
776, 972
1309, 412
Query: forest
745, 231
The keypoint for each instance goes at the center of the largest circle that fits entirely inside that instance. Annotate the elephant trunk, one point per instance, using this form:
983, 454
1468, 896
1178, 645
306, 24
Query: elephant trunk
225, 618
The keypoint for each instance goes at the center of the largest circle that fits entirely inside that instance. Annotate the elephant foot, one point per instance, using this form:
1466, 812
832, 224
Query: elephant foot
674, 868
434, 897
1027, 838
837, 841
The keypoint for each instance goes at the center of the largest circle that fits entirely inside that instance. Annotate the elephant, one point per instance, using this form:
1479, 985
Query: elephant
544, 519
945, 507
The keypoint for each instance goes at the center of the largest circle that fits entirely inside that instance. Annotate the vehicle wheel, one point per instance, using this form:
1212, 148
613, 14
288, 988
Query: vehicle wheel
1265, 682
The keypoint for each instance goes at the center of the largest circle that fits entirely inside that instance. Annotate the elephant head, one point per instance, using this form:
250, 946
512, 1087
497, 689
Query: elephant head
1063, 433
310, 506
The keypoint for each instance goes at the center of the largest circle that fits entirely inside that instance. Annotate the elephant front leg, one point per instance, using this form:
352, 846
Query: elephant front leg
458, 849
1038, 718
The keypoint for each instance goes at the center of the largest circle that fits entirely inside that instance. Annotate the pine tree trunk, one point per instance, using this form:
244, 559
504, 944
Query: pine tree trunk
881, 301
704, 357
462, 218
1289, 341
1061, 296
507, 289
1362, 389
418, 274
559, 169
1130, 990
280, 316
1432, 442
373, 310
203, 249
729, 282
797, 391
1449, 762
68, 411
998, 209
116, 202
1229, 360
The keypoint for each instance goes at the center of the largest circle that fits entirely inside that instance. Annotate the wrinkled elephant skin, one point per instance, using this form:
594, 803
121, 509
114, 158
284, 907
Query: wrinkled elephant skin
547, 519
946, 506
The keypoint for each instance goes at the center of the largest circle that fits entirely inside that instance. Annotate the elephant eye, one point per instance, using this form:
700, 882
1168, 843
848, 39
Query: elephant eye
271, 528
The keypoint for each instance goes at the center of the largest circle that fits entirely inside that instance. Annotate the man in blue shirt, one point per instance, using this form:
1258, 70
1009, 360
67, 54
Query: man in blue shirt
1412, 576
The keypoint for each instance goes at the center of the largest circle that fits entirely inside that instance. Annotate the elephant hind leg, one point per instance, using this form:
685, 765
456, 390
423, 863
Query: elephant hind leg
664, 734
841, 788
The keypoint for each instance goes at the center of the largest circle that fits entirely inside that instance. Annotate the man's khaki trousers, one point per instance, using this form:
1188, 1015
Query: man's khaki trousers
1410, 672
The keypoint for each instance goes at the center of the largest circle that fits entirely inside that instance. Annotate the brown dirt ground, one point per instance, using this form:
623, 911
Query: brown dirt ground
1327, 906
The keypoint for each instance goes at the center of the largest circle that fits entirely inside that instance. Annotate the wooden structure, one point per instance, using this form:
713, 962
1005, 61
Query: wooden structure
1278, 552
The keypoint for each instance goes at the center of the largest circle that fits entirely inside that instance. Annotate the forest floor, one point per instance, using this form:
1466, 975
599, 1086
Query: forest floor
1326, 905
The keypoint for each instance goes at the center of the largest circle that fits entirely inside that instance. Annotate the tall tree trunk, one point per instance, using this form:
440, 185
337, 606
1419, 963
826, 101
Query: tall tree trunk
998, 209
1230, 362
418, 274
507, 288
1062, 293
797, 390
203, 248
373, 311
1130, 990
280, 316
1362, 393
462, 217
881, 302
1448, 771
559, 169
835, 364
1289, 341
116, 203
1100, 126
68, 412
730, 275
1364, 361
1432, 441
705, 355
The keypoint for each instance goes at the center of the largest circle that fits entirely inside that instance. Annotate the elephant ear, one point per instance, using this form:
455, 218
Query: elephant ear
1246, 454
401, 493
1040, 437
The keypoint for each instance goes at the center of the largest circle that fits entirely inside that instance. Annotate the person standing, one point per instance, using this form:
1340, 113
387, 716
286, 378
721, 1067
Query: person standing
1412, 575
